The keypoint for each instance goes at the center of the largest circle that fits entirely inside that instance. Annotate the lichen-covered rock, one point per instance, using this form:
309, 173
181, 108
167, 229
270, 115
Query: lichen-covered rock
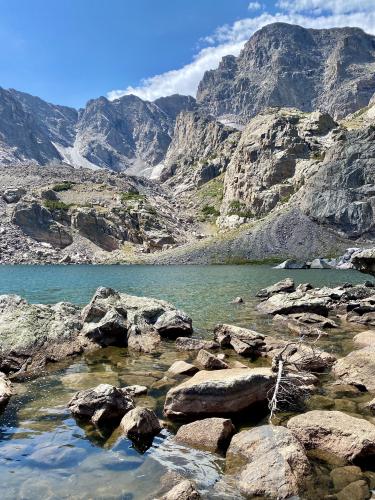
335, 432
104, 403
140, 423
218, 392
212, 434
268, 461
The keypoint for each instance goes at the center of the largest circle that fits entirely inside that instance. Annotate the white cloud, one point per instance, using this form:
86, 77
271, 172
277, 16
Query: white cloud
229, 39
254, 6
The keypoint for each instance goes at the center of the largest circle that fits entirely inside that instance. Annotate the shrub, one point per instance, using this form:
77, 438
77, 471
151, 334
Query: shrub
56, 205
63, 186
132, 197
210, 210
238, 208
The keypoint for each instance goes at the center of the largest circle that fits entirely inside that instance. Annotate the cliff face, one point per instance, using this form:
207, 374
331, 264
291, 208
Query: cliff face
330, 70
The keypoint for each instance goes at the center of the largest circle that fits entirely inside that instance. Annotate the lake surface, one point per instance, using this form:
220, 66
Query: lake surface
44, 453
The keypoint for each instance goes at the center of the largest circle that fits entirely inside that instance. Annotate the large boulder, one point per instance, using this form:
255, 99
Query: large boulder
295, 302
357, 368
269, 461
33, 334
244, 341
286, 285
364, 261
174, 323
102, 404
218, 392
365, 339
336, 433
212, 434
182, 368
13, 194
140, 423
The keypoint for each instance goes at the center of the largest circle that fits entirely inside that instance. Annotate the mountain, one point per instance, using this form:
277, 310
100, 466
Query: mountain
331, 70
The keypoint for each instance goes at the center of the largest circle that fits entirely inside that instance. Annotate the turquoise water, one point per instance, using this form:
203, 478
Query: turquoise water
44, 453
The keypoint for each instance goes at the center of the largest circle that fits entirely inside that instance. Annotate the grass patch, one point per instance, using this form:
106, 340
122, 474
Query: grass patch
209, 210
238, 261
238, 208
56, 205
63, 186
126, 197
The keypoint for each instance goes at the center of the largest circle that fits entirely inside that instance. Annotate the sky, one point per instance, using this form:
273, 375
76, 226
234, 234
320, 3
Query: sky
70, 51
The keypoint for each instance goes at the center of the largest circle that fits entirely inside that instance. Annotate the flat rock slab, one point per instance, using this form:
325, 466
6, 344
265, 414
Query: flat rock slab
335, 432
182, 368
357, 368
272, 460
218, 392
194, 344
212, 434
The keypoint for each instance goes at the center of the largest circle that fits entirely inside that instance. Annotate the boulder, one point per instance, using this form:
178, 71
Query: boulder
357, 368
174, 324
104, 403
286, 285
33, 334
291, 264
298, 327
185, 490
182, 368
13, 194
295, 302
112, 329
335, 432
364, 261
212, 434
268, 461
143, 339
342, 476
140, 423
358, 490
218, 392
320, 264
244, 341
210, 362
312, 319
238, 300
6, 390
194, 344
365, 339
134, 390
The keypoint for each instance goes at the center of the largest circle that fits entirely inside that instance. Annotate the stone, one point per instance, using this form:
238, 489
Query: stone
295, 302
185, 490
365, 339
298, 327
314, 320
218, 392
244, 341
182, 368
13, 195
210, 362
140, 423
6, 390
357, 368
104, 403
342, 476
320, 264
112, 329
357, 490
134, 390
286, 285
212, 434
174, 324
364, 261
194, 344
348, 437
291, 264
272, 462
238, 300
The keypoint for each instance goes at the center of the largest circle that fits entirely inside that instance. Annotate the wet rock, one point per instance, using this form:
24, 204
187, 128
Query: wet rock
218, 392
358, 490
286, 285
244, 341
182, 368
31, 335
357, 368
174, 324
210, 362
342, 476
104, 403
335, 432
140, 423
298, 327
238, 300
6, 390
143, 339
185, 490
273, 462
365, 339
212, 434
194, 344
134, 390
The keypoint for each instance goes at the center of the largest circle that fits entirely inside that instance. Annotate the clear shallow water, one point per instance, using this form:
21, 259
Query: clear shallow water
44, 453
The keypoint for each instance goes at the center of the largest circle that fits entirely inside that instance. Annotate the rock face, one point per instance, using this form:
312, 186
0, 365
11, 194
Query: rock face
32, 334
273, 462
365, 261
286, 65
218, 392
212, 434
357, 368
104, 403
335, 432
140, 423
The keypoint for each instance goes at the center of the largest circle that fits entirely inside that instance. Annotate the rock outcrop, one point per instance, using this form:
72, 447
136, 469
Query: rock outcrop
218, 392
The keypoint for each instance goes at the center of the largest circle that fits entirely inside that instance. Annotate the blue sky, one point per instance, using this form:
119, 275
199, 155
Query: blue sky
68, 51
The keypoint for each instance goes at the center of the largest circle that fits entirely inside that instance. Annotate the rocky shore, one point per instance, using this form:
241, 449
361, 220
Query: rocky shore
299, 396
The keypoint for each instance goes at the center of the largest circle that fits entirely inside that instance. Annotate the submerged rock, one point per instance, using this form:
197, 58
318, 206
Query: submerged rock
218, 392
212, 434
335, 432
104, 403
271, 460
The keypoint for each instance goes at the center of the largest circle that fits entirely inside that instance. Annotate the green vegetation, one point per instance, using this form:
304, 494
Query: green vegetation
318, 155
56, 205
238, 208
239, 261
212, 189
209, 210
63, 186
126, 197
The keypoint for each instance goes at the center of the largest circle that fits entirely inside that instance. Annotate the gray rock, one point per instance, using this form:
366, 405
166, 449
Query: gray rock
357, 368
210, 362
182, 368
6, 390
286, 285
212, 434
174, 324
291, 264
185, 490
244, 341
320, 264
13, 195
194, 344
140, 423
